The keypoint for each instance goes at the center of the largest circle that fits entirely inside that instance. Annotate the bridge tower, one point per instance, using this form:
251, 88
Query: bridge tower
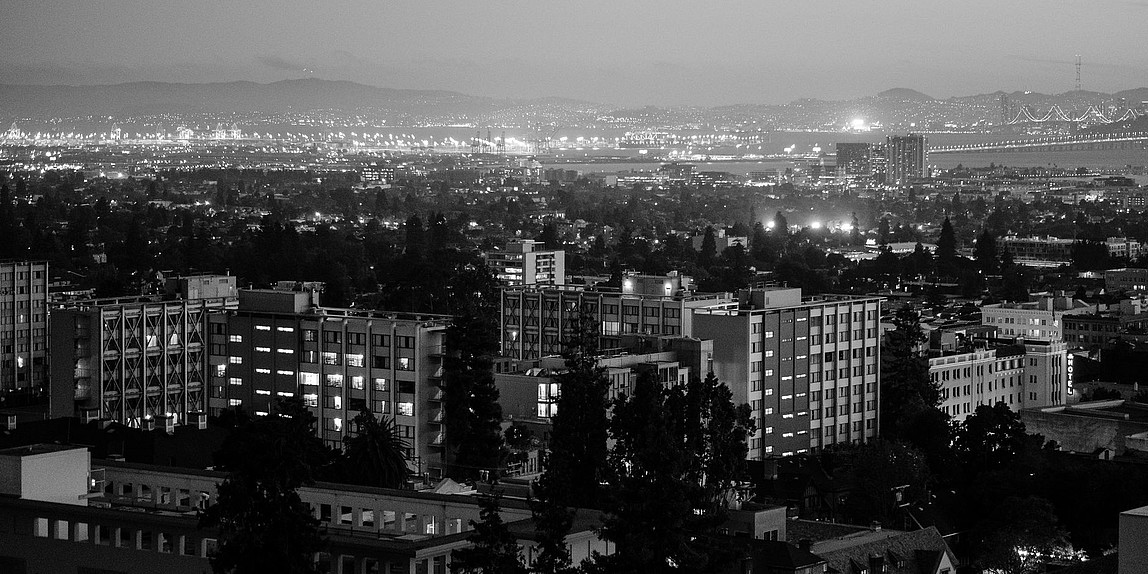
1078, 72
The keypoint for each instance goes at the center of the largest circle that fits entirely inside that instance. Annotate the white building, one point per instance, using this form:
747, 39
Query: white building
1034, 320
524, 262
1031, 374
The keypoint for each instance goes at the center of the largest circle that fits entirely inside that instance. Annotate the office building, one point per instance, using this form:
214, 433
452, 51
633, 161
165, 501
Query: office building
1034, 320
525, 262
23, 325
137, 360
280, 343
537, 321
907, 157
809, 368
1126, 279
985, 371
879, 163
101, 516
853, 159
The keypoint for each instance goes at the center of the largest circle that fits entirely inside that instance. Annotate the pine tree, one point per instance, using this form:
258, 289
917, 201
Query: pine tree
494, 549
263, 524
855, 230
947, 243
985, 252
470, 401
906, 388
708, 252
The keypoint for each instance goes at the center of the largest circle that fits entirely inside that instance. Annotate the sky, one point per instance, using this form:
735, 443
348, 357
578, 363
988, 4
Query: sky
623, 52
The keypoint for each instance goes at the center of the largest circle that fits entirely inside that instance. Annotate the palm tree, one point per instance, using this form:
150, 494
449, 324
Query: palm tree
374, 454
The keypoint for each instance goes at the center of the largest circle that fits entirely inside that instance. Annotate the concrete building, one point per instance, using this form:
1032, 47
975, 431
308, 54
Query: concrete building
853, 159
139, 519
23, 325
722, 241
137, 360
1035, 320
1056, 251
908, 158
280, 343
1133, 555
1126, 279
525, 262
1020, 375
537, 321
1115, 426
808, 368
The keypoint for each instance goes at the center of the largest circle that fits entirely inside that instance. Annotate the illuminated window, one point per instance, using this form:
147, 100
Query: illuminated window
235, 338
405, 409
263, 349
309, 378
262, 327
235, 360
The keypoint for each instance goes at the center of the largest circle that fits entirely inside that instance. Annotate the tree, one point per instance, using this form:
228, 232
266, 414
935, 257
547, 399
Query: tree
1019, 536
989, 438
374, 454
577, 454
781, 224
883, 232
263, 524
494, 549
947, 242
886, 475
470, 401
714, 430
650, 491
855, 230
985, 253
905, 384
709, 249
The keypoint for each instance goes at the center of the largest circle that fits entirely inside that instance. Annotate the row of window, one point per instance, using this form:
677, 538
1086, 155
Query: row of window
122, 537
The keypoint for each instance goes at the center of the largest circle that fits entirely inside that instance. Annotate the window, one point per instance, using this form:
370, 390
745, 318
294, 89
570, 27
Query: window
404, 364
381, 385
354, 360
263, 327
309, 378
235, 338
235, 381
285, 351
285, 329
381, 340
235, 360
331, 337
310, 335
404, 342
263, 349
334, 380
405, 409
330, 358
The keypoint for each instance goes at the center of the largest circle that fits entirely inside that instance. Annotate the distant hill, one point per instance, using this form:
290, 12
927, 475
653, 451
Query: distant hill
904, 94
147, 98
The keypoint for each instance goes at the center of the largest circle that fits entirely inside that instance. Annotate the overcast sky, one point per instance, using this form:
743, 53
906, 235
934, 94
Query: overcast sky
628, 52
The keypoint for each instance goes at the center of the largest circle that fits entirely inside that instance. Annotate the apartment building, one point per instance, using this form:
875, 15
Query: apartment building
526, 262
537, 321
1034, 320
23, 325
986, 371
808, 367
280, 343
137, 360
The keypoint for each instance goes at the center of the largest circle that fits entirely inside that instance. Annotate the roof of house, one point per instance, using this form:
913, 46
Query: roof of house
916, 552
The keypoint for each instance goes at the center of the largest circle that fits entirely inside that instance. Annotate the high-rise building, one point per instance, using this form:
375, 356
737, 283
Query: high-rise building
280, 343
136, 360
809, 368
524, 262
853, 159
879, 163
23, 325
537, 321
908, 158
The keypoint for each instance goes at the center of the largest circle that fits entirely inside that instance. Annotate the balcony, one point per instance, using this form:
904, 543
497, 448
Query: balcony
439, 439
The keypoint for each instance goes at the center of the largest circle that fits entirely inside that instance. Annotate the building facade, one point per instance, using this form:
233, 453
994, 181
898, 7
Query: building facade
23, 325
907, 158
1042, 319
808, 368
1025, 375
537, 322
280, 343
136, 360
853, 159
525, 262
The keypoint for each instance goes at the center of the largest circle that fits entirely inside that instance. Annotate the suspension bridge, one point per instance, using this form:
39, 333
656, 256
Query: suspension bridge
1078, 142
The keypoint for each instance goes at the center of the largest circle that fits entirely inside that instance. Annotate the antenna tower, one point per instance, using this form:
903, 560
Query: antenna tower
1078, 72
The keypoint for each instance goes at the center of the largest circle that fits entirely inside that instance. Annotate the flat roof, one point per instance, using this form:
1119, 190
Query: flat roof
38, 448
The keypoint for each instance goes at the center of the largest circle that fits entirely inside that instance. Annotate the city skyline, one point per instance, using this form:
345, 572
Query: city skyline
637, 53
